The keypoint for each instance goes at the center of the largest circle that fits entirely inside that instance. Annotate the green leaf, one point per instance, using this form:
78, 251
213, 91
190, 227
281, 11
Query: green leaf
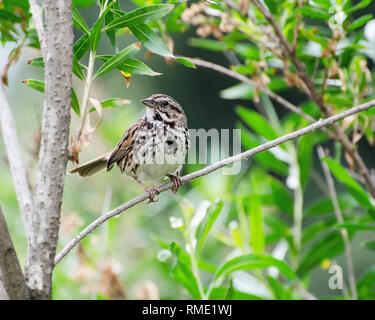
78, 22
205, 226
366, 284
114, 103
140, 15
208, 44
96, 31
326, 4
181, 271
238, 91
327, 247
116, 60
81, 47
36, 62
8, 16
75, 103
359, 22
266, 158
362, 4
324, 205
257, 122
369, 244
305, 157
133, 66
77, 70
35, 84
151, 40
281, 196
314, 13
314, 229
256, 224
83, 3
356, 225
251, 262
186, 62
352, 186
111, 33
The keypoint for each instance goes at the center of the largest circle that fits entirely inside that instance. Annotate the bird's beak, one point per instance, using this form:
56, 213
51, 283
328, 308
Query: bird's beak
148, 102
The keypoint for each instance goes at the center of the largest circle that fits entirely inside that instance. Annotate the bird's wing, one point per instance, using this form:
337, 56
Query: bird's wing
124, 146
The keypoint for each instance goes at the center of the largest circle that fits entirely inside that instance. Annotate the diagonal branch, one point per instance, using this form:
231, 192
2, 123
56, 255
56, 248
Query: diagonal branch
317, 98
220, 164
15, 158
288, 105
10, 270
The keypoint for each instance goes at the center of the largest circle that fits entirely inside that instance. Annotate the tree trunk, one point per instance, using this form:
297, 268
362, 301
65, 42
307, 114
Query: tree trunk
54, 26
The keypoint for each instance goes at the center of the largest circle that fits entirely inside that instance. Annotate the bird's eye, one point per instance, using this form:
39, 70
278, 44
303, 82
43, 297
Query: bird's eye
165, 103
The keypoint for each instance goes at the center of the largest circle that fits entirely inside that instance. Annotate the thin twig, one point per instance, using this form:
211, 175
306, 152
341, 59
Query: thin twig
340, 220
220, 164
15, 159
312, 91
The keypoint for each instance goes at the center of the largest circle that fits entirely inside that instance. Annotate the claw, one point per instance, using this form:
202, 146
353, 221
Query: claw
176, 181
153, 193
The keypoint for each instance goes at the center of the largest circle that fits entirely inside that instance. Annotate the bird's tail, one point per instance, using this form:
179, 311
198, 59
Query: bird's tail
92, 167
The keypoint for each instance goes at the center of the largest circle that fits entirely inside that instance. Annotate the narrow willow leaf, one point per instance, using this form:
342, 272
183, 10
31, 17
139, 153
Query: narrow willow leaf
352, 186
83, 3
186, 62
133, 66
96, 32
75, 103
314, 13
77, 70
140, 15
116, 60
257, 122
326, 247
254, 261
182, 271
112, 103
205, 226
281, 195
151, 40
36, 62
362, 4
256, 223
81, 47
111, 33
35, 84
78, 22
359, 22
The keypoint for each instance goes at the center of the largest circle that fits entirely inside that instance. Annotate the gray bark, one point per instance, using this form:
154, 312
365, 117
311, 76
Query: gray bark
54, 26
12, 280
15, 160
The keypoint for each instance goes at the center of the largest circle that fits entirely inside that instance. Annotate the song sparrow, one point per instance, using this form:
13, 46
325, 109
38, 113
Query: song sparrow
153, 147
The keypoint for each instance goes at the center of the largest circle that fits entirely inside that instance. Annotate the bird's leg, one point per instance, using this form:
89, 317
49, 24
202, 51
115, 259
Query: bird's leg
176, 181
151, 191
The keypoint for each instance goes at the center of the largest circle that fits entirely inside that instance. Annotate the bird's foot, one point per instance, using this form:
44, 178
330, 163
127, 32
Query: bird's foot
176, 181
152, 194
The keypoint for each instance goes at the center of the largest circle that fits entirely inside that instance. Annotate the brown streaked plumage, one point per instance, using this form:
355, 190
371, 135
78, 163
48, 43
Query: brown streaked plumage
153, 147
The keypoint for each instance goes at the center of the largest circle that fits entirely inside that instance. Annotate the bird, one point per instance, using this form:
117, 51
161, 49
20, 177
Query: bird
154, 147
